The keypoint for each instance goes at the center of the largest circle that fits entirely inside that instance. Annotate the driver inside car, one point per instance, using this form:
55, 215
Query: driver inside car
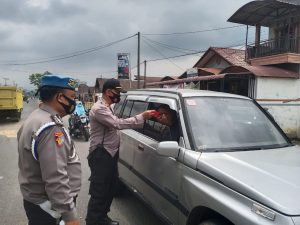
168, 117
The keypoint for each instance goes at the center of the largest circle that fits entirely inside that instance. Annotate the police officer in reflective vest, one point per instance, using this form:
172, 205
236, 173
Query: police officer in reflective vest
49, 167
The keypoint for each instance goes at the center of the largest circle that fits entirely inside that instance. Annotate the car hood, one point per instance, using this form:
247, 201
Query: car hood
271, 177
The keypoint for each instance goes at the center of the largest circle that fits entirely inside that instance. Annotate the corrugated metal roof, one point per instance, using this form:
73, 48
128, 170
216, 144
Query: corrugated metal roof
262, 71
265, 12
187, 80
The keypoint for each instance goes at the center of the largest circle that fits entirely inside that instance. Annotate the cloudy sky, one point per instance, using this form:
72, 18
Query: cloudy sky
36, 34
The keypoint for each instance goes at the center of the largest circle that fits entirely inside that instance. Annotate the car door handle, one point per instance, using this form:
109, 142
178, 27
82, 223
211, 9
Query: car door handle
141, 147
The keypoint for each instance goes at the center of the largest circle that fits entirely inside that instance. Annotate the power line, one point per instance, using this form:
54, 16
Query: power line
171, 47
188, 54
194, 32
70, 55
145, 40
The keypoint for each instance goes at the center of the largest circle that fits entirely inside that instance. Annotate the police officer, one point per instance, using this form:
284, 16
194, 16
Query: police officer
103, 152
49, 167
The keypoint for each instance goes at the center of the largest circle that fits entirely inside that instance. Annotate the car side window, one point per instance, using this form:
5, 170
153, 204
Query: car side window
118, 107
159, 130
133, 108
156, 130
138, 107
127, 109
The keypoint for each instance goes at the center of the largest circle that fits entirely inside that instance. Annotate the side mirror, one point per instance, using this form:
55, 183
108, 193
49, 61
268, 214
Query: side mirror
168, 148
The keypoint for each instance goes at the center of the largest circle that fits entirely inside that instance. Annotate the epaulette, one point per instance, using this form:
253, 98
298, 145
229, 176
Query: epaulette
57, 120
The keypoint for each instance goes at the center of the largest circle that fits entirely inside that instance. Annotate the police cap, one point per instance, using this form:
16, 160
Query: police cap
113, 84
58, 81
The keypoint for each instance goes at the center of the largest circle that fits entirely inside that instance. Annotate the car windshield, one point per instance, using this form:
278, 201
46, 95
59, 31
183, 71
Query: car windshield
231, 124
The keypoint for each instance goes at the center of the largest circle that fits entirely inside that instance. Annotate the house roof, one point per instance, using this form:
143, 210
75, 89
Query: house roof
83, 88
208, 71
168, 78
230, 55
265, 12
150, 79
262, 71
189, 79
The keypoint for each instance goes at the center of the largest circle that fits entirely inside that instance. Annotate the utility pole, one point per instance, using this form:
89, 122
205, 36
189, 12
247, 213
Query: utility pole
145, 80
138, 62
246, 55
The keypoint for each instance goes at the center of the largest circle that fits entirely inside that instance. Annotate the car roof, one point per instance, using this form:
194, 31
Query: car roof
185, 92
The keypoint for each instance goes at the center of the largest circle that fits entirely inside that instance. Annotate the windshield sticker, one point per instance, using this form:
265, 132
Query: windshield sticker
191, 102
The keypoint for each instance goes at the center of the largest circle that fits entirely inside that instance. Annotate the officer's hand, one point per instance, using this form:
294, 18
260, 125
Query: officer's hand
148, 114
73, 222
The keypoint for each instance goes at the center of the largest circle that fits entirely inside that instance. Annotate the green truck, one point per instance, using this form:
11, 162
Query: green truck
11, 103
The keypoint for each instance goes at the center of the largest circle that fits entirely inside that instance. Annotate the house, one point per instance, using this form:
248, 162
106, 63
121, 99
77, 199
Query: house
85, 93
267, 71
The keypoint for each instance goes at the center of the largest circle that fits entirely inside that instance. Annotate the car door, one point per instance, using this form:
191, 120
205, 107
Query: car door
159, 176
133, 105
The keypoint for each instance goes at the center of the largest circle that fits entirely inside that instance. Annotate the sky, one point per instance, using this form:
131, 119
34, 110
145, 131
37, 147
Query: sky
51, 35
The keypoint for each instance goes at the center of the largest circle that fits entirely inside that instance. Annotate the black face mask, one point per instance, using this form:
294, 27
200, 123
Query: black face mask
115, 98
69, 109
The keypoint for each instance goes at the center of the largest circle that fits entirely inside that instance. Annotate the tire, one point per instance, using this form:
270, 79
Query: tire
214, 222
17, 117
86, 134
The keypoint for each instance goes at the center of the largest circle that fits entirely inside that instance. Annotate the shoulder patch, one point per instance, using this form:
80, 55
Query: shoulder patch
59, 139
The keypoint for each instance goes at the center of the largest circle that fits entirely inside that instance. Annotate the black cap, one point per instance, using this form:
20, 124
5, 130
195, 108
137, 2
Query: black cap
113, 84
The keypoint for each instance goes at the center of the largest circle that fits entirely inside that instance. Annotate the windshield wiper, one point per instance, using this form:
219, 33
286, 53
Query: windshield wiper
248, 148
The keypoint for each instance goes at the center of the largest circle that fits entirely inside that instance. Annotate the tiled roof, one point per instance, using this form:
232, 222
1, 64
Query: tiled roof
235, 57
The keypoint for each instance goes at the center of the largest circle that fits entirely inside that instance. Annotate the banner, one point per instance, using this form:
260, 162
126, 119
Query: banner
123, 65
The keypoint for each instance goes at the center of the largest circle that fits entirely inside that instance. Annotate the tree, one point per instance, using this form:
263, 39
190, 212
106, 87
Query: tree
35, 78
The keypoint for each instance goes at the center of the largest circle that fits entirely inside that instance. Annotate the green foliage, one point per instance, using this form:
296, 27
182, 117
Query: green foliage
35, 78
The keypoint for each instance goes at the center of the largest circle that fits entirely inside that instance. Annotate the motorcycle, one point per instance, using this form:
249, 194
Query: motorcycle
79, 126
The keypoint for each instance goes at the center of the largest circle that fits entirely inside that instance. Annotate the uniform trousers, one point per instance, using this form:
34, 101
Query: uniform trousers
103, 184
37, 216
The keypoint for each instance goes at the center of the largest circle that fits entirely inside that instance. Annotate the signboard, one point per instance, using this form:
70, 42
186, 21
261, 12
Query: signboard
192, 72
123, 65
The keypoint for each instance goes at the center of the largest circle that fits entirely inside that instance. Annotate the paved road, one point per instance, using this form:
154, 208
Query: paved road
127, 209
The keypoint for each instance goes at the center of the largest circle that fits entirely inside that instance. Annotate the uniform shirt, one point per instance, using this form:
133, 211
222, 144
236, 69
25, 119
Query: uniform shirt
105, 127
56, 175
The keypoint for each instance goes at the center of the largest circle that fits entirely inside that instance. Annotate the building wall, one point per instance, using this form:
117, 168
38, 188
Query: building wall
217, 62
273, 91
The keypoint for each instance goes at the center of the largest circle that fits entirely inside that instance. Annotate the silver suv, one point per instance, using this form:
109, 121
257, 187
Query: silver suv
230, 164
